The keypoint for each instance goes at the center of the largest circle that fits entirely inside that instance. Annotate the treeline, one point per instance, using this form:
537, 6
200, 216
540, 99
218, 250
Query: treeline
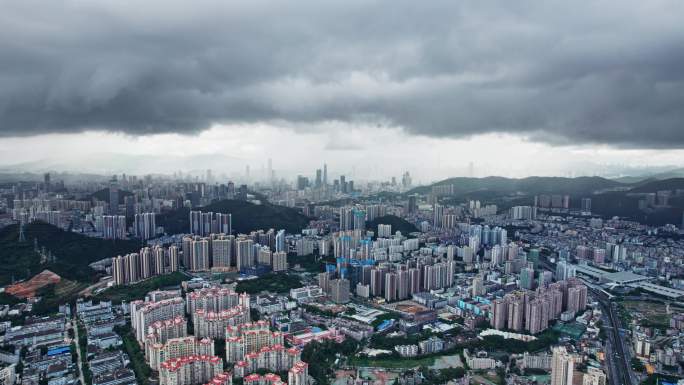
273, 282
246, 217
117, 294
72, 252
398, 224
321, 355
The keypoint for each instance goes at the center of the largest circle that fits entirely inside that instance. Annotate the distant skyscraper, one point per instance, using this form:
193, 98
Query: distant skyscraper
586, 204
412, 205
319, 178
346, 218
113, 197
406, 180
280, 242
46, 182
359, 219
325, 174
438, 213
302, 182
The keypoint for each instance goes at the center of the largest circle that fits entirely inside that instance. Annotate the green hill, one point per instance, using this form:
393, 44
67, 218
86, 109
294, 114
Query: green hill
73, 252
398, 224
246, 217
530, 185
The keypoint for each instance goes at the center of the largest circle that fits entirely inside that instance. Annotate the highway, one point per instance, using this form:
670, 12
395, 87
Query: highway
619, 360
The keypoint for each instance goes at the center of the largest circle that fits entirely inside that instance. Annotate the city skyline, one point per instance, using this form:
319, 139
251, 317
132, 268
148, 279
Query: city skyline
431, 159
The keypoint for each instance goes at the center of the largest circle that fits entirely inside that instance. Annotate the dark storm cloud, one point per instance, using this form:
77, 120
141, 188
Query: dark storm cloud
559, 72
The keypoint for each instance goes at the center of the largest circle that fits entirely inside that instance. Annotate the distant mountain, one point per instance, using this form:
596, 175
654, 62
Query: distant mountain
72, 252
398, 224
530, 185
652, 186
633, 180
246, 217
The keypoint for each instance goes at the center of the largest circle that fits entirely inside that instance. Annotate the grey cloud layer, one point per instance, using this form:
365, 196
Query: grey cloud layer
560, 72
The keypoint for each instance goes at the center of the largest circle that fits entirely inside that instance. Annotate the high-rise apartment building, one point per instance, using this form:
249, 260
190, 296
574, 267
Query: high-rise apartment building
562, 367
527, 277
339, 290
244, 253
384, 231
222, 251
280, 245
199, 257
145, 226
279, 261
438, 215
114, 226
173, 348
190, 370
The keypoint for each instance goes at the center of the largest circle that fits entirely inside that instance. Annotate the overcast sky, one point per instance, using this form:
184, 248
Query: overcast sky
371, 87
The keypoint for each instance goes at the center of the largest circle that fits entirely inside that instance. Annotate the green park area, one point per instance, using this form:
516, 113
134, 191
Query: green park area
272, 282
649, 313
117, 294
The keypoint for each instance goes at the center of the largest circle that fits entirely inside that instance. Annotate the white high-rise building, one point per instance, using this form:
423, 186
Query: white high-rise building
280, 241
222, 251
199, 259
562, 367
384, 231
244, 253
279, 261
224, 223
145, 226
114, 226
